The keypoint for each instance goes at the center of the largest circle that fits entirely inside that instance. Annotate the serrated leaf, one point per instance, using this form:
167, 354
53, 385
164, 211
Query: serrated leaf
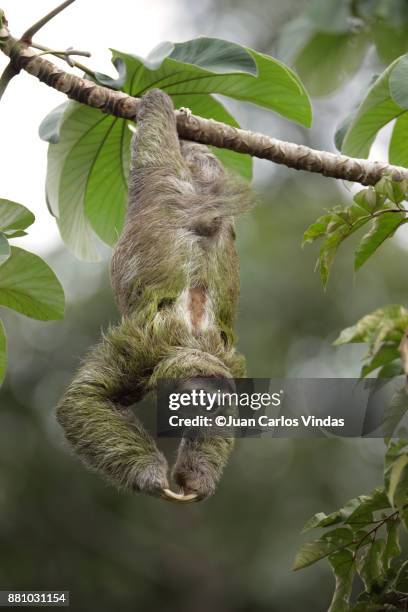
14, 217
3, 352
398, 482
4, 248
317, 229
396, 191
368, 504
331, 244
366, 329
392, 545
343, 566
30, 287
376, 110
383, 227
369, 199
401, 580
320, 519
386, 354
370, 565
311, 552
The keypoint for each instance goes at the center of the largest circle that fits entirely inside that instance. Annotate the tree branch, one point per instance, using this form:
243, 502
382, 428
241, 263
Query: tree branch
190, 127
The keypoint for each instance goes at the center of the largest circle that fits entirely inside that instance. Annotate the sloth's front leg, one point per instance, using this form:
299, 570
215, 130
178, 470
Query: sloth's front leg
105, 435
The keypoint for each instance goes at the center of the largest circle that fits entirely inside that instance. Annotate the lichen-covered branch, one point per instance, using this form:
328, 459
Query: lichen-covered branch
198, 129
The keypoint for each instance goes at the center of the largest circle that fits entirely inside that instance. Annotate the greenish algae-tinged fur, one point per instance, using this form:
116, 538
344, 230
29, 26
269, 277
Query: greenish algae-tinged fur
175, 277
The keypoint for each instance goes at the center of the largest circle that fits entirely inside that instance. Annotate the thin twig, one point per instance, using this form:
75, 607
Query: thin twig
66, 55
27, 37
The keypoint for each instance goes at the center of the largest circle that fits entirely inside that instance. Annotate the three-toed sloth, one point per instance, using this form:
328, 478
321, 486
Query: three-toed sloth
175, 277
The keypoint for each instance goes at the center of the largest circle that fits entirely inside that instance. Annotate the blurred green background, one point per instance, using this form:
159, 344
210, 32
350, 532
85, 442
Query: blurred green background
61, 527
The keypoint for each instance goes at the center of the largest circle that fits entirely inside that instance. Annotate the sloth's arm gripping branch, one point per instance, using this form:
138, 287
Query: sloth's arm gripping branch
190, 127
93, 413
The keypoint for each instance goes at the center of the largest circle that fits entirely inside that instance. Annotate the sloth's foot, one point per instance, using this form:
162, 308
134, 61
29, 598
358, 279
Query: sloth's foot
193, 473
151, 476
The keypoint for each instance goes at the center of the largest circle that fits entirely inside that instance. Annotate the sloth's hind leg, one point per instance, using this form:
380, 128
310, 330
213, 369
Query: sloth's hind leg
202, 456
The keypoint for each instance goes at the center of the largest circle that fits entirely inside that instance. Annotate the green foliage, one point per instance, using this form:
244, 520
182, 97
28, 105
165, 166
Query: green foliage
328, 42
14, 218
374, 521
378, 206
342, 563
30, 287
4, 248
396, 474
382, 331
27, 284
367, 545
386, 100
3, 352
88, 156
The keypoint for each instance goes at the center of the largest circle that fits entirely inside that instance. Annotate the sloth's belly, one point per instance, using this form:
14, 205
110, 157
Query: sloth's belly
194, 306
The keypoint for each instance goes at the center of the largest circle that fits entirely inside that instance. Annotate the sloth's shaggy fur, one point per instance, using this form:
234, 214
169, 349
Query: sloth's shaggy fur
175, 277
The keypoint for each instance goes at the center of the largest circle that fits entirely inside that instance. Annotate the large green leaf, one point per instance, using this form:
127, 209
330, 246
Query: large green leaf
214, 54
398, 82
29, 286
79, 131
14, 217
275, 86
3, 352
383, 227
377, 109
398, 150
88, 156
4, 248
